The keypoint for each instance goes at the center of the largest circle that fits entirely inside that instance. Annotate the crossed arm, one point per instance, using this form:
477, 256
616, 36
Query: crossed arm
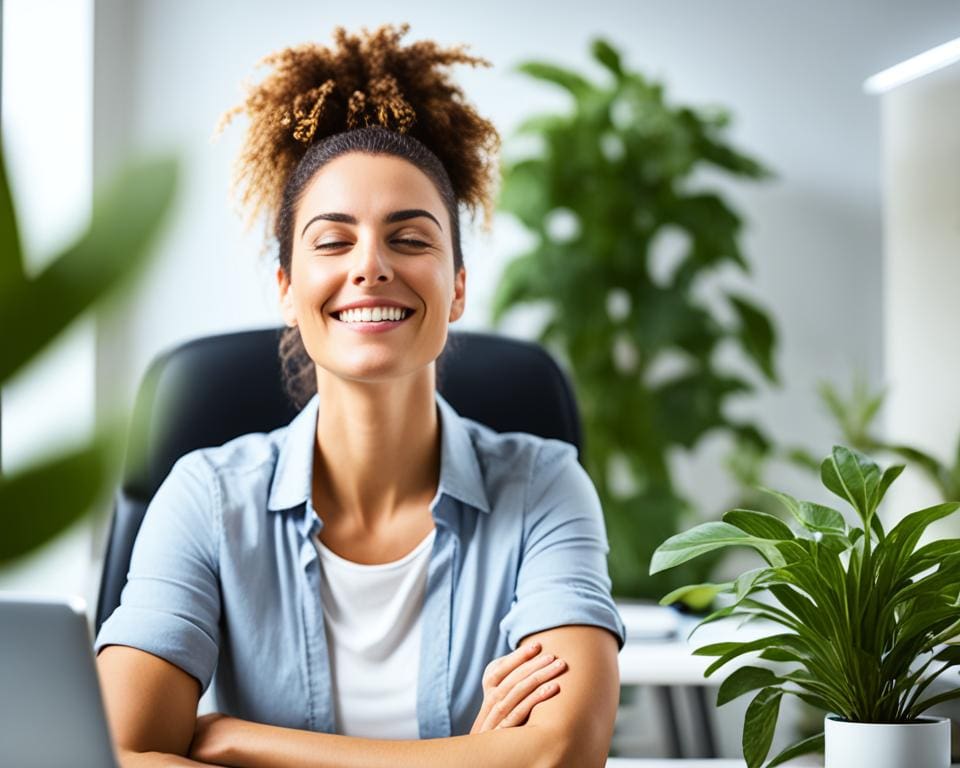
154, 723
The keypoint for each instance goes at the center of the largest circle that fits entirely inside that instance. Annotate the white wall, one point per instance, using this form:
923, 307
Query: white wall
921, 168
791, 73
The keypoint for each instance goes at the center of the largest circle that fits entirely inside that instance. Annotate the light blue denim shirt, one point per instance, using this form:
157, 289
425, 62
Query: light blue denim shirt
224, 580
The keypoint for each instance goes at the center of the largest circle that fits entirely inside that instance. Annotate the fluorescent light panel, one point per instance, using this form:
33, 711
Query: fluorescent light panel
911, 69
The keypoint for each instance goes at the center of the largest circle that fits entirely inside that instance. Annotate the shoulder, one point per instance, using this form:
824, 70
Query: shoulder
253, 452
513, 448
525, 462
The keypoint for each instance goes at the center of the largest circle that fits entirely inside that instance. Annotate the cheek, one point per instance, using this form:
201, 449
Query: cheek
311, 285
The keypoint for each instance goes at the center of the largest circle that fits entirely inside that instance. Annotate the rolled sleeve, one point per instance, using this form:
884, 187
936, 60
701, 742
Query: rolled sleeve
563, 577
170, 606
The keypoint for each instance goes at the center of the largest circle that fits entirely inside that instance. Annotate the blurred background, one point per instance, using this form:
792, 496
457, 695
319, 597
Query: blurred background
851, 238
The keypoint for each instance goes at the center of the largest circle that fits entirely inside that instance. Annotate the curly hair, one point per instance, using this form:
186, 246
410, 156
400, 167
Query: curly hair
365, 80
368, 95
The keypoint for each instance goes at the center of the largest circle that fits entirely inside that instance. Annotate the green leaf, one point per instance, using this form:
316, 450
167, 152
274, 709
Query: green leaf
889, 475
11, 264
716, 649
41, 501
853, 477
525, 192
813, 517
907, 532
921, 707
759, 724
571, 81
805, 747
756, 334
748, 580
704, 538
606, 55
696, 596
930, 555
740, 649
126, 218
520, 283
759, 524
744, 680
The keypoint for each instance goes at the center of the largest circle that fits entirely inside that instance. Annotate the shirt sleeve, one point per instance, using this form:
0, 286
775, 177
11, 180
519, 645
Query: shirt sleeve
563, 576
170, 606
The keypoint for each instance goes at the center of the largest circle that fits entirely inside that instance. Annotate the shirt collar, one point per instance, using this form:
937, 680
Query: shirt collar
460, 475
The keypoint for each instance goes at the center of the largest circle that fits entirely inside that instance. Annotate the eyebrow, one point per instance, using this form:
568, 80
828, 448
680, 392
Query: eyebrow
390, 218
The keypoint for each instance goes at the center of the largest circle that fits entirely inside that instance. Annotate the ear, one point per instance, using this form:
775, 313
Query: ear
287, 309
459, 295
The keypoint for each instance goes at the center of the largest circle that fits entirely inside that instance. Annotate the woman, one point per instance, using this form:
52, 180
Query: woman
345, 581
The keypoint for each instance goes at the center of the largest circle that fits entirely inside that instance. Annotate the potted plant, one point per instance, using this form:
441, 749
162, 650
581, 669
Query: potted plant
866, 617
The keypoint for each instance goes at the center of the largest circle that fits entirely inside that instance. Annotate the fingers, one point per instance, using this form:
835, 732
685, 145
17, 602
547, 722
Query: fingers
498, 669
512, 705
518, 716
526, 669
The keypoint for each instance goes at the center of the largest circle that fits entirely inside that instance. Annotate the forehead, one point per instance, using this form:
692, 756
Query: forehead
369, 185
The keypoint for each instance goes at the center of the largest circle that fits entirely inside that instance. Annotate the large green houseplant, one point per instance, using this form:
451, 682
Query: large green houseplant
40, 501
617, 177
865, 613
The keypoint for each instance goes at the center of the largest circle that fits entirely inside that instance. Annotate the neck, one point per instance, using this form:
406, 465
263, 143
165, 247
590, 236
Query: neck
378, 448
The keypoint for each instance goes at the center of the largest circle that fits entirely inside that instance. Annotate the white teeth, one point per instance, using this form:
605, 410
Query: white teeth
372, 314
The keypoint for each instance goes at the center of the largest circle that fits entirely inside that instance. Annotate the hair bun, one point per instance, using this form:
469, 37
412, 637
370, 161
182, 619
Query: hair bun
368, 79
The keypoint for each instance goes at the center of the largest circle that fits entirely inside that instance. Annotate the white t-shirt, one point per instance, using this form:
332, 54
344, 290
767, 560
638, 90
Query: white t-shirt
372, 618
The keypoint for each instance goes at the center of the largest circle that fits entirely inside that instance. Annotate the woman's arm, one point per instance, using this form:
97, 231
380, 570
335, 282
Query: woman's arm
242, 744
151, 707
572, 729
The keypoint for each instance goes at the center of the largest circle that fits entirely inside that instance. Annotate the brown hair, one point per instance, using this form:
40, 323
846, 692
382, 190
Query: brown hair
371, 95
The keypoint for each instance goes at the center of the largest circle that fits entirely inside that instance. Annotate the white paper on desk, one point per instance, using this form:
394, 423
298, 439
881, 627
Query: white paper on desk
647, 621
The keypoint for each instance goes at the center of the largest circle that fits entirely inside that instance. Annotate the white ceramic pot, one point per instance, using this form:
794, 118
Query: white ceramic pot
923, 744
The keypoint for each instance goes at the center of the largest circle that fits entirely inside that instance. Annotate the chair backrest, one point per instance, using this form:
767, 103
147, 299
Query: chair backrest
210, 390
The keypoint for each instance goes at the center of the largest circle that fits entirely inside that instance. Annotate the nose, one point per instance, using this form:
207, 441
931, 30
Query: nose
370, 265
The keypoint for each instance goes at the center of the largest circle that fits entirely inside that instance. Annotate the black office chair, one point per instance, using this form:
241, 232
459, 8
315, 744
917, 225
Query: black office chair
208, 391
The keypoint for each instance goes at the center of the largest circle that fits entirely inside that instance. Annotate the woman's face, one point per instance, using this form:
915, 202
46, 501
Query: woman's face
372, 230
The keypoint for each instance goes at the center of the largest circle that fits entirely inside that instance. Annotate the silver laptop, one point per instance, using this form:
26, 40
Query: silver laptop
51, 711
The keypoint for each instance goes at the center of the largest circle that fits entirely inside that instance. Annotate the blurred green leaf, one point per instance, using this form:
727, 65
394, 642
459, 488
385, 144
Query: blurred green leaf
606, 55
697, 597
551, 73
40, 502
756, 334
11, 263
126, 219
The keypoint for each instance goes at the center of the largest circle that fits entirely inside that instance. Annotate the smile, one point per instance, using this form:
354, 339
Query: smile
373, 315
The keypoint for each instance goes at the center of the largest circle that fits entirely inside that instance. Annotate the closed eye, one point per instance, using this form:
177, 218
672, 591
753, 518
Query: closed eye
403, 241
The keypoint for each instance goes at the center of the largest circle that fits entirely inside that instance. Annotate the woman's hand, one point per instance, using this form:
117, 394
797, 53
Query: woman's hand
514, 684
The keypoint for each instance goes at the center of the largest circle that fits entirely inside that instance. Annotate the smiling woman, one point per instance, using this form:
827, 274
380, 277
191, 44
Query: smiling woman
381, 582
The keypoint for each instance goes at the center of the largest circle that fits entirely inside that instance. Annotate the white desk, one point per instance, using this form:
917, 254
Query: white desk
657, 651
624, 762
658, 654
